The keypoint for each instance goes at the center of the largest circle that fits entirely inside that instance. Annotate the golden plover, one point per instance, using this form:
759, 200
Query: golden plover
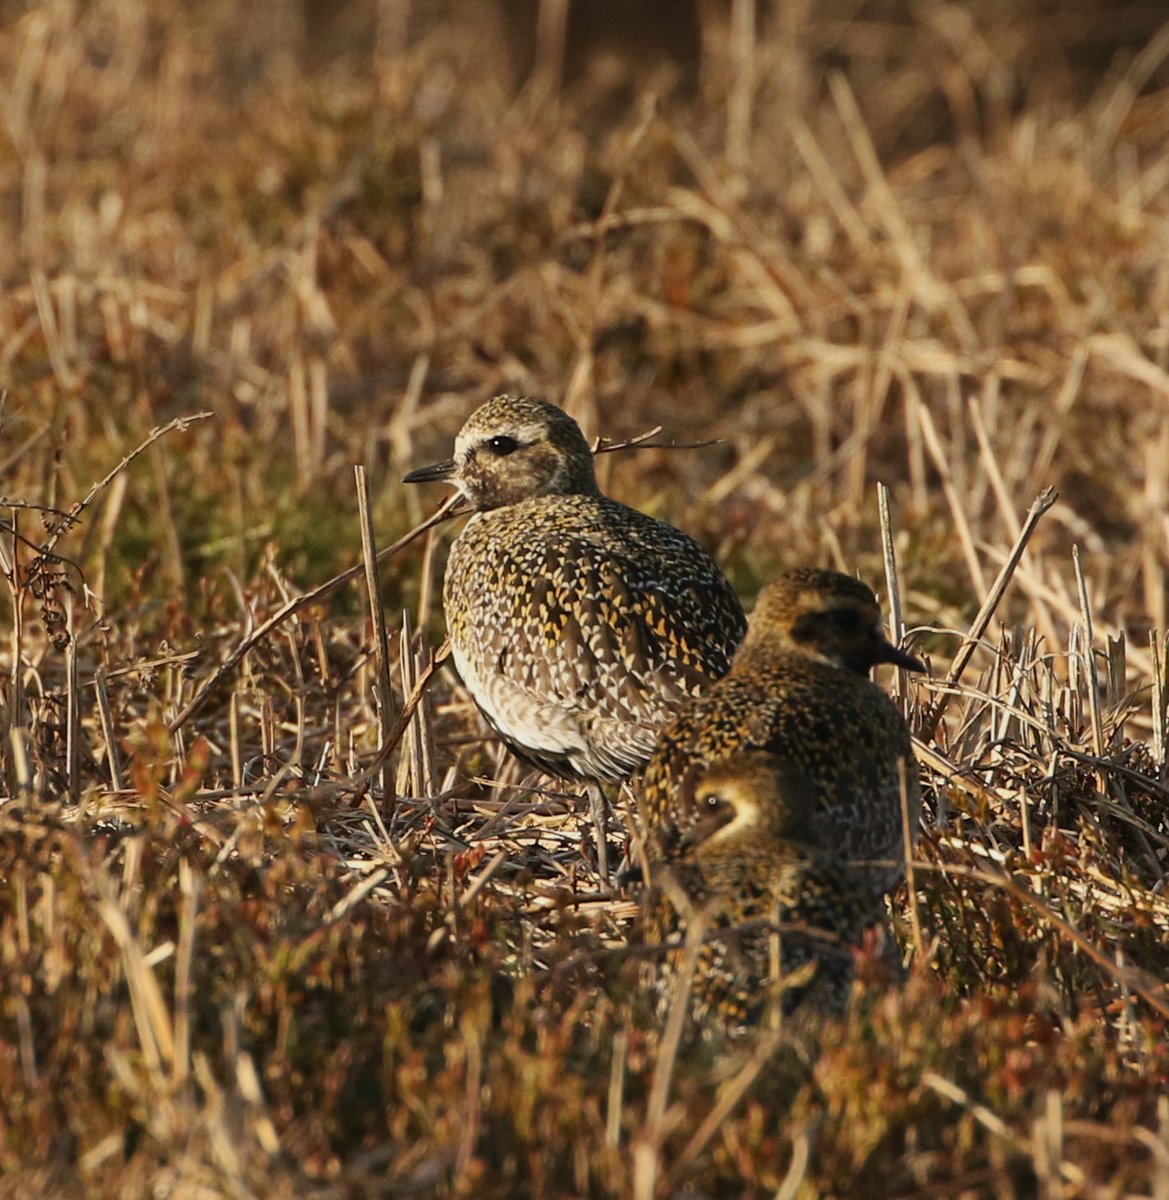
769, 896
578, 624
797, 693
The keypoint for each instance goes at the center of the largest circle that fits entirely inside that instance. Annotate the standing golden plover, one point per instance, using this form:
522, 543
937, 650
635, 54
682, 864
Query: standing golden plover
797, 693
578, 624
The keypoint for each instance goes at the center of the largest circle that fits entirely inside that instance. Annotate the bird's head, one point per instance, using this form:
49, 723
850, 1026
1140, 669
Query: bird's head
826, 615
514, 448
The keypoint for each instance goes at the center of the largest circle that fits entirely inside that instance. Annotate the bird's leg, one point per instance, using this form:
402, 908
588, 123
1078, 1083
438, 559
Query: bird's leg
599, 807
634, 868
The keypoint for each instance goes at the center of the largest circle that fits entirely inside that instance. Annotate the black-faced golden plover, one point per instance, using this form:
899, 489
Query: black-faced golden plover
798, 698
578, 624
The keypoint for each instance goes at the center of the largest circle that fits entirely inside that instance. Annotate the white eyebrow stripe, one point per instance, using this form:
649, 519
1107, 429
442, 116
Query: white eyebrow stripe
746, 817
526, 434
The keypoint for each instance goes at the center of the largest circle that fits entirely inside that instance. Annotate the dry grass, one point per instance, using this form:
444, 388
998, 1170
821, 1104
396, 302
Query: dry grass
244, 954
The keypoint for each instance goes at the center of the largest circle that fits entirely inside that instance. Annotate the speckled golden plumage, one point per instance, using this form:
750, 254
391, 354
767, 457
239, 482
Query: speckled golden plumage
776, 796
771, 898
577, 623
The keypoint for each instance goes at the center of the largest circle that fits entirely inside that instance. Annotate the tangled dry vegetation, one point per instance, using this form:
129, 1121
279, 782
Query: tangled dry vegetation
245, 955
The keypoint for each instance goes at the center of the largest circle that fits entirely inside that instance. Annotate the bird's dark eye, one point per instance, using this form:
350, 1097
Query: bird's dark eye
847, 620
502, 444
712, 802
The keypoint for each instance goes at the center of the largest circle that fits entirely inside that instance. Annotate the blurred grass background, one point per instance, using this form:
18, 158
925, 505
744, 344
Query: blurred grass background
919, 244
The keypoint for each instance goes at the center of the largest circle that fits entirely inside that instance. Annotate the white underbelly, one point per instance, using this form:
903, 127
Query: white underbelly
519, 715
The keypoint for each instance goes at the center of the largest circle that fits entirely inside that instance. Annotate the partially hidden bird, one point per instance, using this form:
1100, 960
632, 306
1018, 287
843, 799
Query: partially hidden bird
780, 797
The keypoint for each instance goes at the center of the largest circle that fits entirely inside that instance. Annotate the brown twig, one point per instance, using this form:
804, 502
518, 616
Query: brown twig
731, 1092
979, 625
1140, 982
642, 442
444, 512
647, 1161
74, 514
402, 722
892, 581
377, 617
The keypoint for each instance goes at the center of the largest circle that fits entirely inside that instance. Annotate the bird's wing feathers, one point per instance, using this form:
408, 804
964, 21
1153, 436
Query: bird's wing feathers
595, 634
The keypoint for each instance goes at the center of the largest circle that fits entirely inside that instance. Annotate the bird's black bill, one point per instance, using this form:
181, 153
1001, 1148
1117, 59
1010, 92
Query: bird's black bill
900, 658
440, 471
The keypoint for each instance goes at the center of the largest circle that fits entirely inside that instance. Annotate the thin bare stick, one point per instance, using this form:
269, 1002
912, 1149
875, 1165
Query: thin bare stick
739, 103
643, 442
191, 886
1006, 508
1102, 776
18, 760
74, 514
1160, 737
377, 618
731, 1092
986, 1117
1159, 1144
1090, 656
423, 729
348, 902
801, 1155
72, 710
481, 880
105, 715
616, 1088
445, 511
647, 1151
402, 723
1141, 983
16, 699
892, 581
1042, 503
60, 513
151, 1016
909, 839
410, 772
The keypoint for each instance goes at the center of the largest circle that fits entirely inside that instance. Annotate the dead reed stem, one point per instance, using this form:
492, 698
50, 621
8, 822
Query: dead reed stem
377, 618
209, 686
982, 619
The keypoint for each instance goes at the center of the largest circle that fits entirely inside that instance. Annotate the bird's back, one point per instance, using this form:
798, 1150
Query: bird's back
841, 730
580, 625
